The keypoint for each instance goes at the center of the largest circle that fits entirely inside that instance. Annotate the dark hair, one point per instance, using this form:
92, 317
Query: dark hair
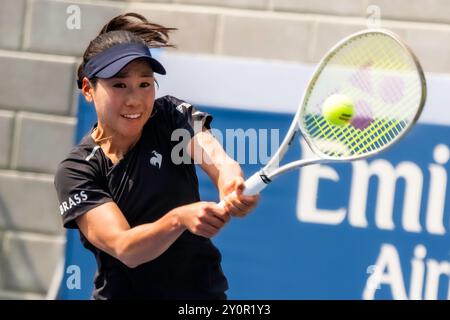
126, 28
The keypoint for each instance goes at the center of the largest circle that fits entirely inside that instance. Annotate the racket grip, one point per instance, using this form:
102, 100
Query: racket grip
253, 185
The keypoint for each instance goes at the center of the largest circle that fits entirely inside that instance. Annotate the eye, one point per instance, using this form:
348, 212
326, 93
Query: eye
119, 85
145, 84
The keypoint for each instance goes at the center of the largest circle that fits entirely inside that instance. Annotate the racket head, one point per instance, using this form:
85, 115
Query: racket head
386, 83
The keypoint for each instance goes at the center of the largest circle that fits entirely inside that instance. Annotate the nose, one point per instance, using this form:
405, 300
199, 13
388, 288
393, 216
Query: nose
132, 99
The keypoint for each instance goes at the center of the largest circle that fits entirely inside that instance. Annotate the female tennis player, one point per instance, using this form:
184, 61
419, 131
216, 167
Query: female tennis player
137, 210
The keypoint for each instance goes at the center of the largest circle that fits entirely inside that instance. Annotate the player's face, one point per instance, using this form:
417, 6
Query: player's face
124, 103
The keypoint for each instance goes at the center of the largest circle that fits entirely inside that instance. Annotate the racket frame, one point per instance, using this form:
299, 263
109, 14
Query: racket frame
258, 181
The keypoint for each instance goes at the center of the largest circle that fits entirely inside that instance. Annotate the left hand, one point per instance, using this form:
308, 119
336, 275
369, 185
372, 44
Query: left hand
237, 204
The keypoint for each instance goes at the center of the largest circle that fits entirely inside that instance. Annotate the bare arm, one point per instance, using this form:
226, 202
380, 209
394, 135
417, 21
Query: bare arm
207, 151
223, 171
107, 229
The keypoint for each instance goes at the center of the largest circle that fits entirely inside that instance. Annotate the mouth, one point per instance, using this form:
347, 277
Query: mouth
131, 116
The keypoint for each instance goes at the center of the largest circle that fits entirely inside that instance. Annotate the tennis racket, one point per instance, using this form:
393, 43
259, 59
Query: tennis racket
386, 84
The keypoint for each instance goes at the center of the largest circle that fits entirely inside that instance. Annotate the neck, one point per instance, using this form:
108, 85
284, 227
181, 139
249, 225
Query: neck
114, 145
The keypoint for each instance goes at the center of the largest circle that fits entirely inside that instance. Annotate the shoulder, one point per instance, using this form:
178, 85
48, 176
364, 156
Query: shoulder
169, 104
173, 111
182, 114
83, 159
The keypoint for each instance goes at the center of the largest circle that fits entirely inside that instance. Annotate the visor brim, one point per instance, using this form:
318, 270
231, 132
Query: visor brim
114, 68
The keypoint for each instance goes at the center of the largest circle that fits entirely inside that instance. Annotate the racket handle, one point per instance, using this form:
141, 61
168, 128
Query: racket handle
253, 185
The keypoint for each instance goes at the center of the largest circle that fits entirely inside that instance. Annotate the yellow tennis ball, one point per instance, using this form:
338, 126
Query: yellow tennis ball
338, 109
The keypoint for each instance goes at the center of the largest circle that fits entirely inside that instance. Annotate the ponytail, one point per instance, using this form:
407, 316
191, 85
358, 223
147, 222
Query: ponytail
126, 28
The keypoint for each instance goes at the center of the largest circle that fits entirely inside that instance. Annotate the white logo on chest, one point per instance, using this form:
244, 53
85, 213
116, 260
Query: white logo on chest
156, 159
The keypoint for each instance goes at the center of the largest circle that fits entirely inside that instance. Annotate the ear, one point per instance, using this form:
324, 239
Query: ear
87, 90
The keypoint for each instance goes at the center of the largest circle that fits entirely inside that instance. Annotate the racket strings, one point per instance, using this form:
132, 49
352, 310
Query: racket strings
381, 78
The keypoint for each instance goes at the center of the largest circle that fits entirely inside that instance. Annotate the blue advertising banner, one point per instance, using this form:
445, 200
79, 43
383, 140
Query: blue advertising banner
371, 229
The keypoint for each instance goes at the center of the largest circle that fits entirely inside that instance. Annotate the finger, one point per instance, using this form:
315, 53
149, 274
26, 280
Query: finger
206, 230
238, 205
250, 201
217, 214
241, 202
236, 209
240, 186
219, 211
224, 216
215, 222
242, 205
231, 200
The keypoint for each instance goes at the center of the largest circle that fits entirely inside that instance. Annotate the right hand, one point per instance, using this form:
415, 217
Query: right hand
203, 218
234, 202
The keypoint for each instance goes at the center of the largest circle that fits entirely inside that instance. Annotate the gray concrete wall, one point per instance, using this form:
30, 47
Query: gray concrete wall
38, 59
